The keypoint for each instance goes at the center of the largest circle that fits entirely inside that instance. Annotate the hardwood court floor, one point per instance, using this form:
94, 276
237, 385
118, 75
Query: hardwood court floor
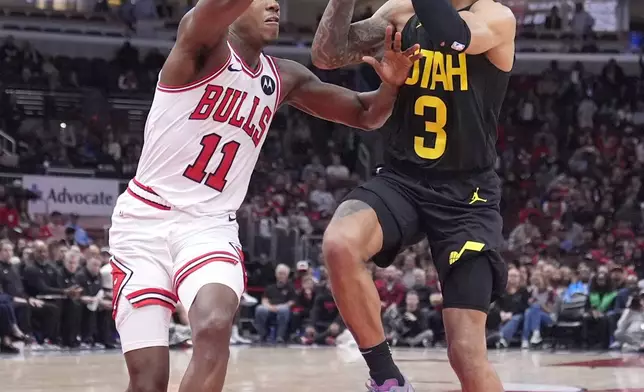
310, 369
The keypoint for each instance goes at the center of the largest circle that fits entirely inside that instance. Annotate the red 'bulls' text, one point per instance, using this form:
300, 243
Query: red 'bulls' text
226, 106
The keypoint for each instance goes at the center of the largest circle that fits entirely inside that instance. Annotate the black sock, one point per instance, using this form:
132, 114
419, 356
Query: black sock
381, 365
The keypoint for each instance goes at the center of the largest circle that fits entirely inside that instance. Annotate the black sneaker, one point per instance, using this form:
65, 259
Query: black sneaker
9, 349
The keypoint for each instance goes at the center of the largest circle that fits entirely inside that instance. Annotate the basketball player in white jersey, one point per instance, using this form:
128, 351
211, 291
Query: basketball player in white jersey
174, 236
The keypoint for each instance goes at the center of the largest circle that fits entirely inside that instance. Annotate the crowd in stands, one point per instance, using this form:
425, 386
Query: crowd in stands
571, 157
52, 293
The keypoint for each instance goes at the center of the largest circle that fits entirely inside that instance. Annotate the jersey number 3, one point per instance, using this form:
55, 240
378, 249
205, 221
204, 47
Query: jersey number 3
436, 127
217, 179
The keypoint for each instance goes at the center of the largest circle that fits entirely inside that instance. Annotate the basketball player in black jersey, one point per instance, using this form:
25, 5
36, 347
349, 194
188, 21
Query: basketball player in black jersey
438, 179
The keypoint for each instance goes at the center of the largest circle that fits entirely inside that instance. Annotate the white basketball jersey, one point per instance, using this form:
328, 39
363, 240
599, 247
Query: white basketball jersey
202, 140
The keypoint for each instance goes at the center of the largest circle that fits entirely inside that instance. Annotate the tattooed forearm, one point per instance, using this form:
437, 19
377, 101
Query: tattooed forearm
338, 43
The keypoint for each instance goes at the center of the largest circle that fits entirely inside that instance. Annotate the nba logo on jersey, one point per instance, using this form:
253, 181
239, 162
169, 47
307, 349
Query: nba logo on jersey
457, 46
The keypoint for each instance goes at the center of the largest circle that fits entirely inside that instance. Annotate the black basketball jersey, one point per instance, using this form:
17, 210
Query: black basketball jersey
446, 114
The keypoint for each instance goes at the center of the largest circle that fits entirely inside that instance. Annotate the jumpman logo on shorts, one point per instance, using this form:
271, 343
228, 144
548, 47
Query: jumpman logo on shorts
476, 197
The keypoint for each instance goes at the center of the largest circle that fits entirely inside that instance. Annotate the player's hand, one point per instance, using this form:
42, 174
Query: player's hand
394, 67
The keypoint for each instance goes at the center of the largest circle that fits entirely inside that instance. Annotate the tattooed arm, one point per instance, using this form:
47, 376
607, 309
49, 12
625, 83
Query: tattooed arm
338, 42
368, 111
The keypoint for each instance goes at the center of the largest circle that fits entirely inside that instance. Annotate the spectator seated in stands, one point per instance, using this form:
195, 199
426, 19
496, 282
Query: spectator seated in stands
80, 235
8, 327
582, 22
580, 286
512, 306
408, 326
180, 334
420, 287
276, 305
70, 237
302, 270
326, 323
28, 310
407, 270
336, 172
72, 308
97, 313
544, 303
390, 290
44, 281
624, 295
301, 311
553, 20
630, 328
601, 301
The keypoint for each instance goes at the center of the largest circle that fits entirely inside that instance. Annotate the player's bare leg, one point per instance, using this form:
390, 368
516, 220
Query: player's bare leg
211, 318
353, 236
149, 369
467, 350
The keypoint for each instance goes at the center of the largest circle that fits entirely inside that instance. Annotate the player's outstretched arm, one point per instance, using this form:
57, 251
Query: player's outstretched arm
207, 23
202, 32
485, 26
367, 111
338, 42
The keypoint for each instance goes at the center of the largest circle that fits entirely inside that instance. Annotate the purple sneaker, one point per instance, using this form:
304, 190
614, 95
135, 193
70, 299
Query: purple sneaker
389, 386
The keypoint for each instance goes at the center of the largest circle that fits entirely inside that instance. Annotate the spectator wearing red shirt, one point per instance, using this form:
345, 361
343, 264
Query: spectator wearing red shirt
530, 209
9, 215
390, 290
56, 226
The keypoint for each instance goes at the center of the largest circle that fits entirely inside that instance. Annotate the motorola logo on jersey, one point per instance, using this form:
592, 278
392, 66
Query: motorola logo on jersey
268, 85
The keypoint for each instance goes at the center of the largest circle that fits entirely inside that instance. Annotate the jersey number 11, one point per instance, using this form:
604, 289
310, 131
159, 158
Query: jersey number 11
216, 179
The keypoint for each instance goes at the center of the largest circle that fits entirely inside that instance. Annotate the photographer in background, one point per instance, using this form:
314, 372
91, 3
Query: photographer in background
409, 326
630, 327
326, 323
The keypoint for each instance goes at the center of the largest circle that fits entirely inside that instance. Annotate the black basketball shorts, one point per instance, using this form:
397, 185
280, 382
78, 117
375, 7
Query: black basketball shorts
461, 219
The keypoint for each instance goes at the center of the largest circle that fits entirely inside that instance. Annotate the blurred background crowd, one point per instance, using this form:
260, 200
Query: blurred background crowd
570, 154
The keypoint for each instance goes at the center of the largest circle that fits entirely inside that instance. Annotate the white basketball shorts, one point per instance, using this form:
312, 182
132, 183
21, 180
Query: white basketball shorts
160, 256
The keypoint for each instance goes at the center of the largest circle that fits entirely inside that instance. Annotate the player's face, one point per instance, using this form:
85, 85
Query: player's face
262, 18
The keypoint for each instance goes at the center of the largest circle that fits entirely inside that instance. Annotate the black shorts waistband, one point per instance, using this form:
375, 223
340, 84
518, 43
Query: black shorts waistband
416, 172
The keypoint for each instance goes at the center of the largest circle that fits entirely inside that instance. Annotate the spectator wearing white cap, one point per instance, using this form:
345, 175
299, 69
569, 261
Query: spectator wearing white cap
302, 269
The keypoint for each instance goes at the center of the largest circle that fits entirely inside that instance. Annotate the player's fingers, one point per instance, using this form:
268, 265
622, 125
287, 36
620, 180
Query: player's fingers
411, 51
398, 42
415, 57
389, 37
371, 61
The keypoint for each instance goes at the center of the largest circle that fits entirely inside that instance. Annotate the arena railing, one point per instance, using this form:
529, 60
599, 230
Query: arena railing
7, 143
